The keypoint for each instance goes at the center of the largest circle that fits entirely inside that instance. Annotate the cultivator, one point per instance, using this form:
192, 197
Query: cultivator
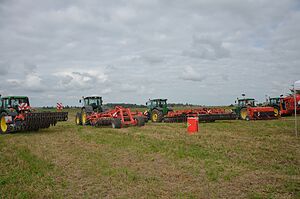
34, 121
203, 114
118, 117
16, 115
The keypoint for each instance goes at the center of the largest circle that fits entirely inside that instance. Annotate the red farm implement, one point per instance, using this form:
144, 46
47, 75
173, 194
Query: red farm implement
203, 114
17, 115
92, 113
285, 106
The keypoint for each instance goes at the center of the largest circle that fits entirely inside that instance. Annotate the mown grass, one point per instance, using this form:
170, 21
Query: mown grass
226, 159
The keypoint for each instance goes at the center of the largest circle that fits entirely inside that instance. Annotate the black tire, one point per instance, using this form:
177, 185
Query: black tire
156, 116
78, 120
116, 123
276, 112
140, 121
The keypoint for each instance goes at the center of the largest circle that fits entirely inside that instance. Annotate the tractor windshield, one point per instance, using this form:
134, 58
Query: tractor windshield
274, 100
95, 101
247, 102
16, 102
161, 103
92, 101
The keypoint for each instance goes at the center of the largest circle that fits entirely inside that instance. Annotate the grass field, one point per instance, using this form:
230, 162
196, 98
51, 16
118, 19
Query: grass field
226, 159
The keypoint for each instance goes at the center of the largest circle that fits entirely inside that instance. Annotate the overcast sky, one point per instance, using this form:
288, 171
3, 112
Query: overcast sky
195, 51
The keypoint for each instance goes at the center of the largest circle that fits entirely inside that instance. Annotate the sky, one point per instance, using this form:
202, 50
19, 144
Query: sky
197, 51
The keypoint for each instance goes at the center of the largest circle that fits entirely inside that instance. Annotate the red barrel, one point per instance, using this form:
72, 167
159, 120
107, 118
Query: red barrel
192, 123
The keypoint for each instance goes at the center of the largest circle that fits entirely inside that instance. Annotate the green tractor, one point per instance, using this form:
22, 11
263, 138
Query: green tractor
275, 102
90, 104
157, 109
17, 115
9, 110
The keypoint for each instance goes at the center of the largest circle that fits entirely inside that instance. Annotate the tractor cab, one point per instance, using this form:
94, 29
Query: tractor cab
246, 102
157, 108
274, 101
159, 104
13, 102
92, 103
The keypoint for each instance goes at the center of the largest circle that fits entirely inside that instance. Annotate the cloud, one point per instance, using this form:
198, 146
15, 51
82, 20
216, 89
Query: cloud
79, 80
191, 74
4, 66
66, 49
32, 82
207, 48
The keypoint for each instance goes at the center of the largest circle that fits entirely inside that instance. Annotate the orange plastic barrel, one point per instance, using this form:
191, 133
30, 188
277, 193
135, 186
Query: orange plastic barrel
192, 125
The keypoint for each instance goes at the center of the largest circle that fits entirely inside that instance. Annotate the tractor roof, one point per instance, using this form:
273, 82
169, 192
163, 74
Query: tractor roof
93, 97
158, 99
17, 97
246, 99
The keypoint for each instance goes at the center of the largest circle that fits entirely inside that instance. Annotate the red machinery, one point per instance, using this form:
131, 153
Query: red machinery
118, 117
203, 114
287, 105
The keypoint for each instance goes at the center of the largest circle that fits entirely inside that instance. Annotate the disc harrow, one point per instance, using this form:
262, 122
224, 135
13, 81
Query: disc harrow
118, 117
203, 114
32, 121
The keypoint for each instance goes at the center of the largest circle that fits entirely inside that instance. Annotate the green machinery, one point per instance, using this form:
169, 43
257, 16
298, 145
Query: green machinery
157, 109
90, 104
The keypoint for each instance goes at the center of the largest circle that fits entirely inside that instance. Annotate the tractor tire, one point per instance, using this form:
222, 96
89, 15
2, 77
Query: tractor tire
244, 114
83, 118
140, 121
156, 116
116, 123
78, 120
4, 128
276, 112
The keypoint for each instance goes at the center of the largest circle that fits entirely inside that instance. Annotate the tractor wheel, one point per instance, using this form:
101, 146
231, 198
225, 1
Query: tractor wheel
276, 112
83, 118
243, 113
156, 116
116, 123
3, 126
140, 121
78, 120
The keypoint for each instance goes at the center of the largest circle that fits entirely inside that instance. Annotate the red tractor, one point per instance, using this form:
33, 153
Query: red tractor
285, 106
247, 110
92, 113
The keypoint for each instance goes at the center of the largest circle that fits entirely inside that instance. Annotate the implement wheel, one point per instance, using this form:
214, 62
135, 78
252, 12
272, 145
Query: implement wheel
3, 126
78, 120
140, 121
116, 123
156, 116
244, 114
